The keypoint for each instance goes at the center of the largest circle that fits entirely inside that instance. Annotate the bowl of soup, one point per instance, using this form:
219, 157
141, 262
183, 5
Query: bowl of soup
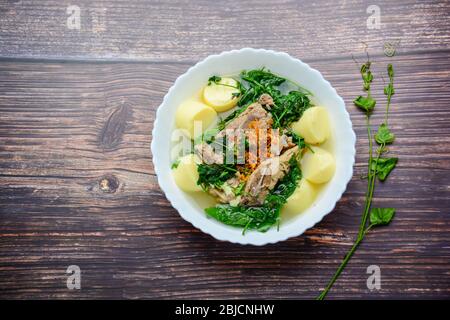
253, 146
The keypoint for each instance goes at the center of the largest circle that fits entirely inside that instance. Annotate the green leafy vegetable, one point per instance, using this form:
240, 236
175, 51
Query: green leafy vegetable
365, 103
175, 164
233, 216
390, 70
366, 75
286, 186
262, 78
239, 189
214, 175
381, 216
214, 79
263, 217
389, 90
287, 107
259, 218
298, 140
258, 82
383, 167
377, 167
384, 135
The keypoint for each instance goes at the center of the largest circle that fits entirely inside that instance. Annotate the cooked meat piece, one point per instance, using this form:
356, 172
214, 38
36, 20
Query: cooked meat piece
286, 142
207, 155
226, 194
266, 176
266, 100
275, 146
279, 142
221, 196
253, 112
234, 182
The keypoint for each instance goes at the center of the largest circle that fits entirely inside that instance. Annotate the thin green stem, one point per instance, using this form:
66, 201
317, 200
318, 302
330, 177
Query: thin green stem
362, 228
253, 81
370, 197
226, 85
389, 91
342, 266
370, 177
387, 110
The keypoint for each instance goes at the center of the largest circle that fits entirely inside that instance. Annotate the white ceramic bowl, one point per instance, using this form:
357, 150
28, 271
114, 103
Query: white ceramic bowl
232, 62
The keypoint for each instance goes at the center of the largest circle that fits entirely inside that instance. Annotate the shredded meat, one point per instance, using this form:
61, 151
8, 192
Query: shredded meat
253, 112
266, 176
266, 100
262, 170
221, 194
286, 142
207, 154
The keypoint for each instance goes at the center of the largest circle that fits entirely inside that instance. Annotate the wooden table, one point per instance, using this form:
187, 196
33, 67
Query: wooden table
77, 184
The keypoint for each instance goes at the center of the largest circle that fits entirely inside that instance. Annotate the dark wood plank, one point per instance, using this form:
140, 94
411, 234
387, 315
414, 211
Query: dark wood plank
77, 186
178, 30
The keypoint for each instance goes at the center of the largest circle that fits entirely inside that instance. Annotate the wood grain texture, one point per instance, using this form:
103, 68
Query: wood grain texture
66, 127
77, 184
179, 30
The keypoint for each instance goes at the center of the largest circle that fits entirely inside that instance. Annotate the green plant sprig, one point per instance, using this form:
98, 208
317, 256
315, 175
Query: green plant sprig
378, 167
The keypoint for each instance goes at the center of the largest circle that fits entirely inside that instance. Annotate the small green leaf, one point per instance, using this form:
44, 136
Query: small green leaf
384, 135
365, 103
175, 164
239, 189
390, 70
366, 75
367, 78
389, 90
233, 216
365, 67
214, 79
383, 167
381, 216
214, 175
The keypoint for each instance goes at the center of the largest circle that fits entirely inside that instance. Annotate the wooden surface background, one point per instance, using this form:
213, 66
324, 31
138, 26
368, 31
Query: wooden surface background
77, 184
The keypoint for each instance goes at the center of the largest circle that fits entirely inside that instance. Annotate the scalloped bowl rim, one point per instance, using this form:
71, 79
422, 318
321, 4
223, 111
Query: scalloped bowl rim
291, 68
